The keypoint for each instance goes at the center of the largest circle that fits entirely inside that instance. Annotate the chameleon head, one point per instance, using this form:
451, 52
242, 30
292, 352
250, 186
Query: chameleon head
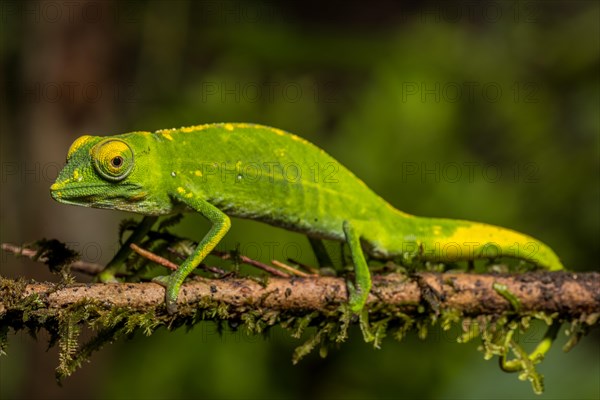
102, 173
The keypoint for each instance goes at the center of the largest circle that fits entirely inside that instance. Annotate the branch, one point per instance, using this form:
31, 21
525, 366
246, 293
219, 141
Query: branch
79, 266
491, 306
571, 295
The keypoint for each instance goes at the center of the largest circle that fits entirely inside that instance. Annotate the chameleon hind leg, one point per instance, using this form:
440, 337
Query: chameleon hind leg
320, 252
358, 291
220, 225
108, 274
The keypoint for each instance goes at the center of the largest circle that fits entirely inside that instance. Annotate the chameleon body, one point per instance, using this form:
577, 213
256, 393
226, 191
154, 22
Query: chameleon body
266, 174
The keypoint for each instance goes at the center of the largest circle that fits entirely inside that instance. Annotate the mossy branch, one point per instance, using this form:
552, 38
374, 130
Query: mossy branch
571, 295
491, 306
568, 294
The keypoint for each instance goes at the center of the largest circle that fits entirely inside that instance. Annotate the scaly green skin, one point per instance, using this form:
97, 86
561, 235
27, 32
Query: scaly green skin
262, 173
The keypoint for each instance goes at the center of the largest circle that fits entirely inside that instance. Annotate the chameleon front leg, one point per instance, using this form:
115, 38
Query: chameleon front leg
358, 290
108, 274
221, 224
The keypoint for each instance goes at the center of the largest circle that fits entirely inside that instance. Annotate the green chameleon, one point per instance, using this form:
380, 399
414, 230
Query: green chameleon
265, 174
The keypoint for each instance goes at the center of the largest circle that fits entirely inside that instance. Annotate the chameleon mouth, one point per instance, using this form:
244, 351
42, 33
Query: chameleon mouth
60, 193
89, 194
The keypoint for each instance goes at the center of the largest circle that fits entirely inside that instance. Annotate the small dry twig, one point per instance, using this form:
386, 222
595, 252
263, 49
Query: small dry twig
79, 266
290, 269
247, 260
154, 257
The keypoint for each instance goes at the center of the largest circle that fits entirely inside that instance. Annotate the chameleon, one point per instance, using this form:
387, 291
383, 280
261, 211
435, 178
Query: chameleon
261, 173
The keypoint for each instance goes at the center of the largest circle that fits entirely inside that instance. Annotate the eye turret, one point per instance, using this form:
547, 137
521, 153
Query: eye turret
113, 159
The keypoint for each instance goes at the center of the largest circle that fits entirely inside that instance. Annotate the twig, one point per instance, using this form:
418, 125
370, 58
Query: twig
307, 268
154, 257
216, 270
171, 265
79, 266
292, 270
209, 268
247, 260
95, 269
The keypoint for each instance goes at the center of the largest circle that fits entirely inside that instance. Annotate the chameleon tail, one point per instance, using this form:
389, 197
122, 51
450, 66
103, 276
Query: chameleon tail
447, 240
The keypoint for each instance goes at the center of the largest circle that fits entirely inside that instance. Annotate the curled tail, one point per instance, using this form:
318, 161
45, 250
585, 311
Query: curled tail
447, 240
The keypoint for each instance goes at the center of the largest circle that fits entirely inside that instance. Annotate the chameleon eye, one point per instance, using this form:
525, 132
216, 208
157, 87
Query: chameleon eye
113, 159
116, 162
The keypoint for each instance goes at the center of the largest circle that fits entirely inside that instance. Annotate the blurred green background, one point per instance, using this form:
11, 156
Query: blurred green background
483, 111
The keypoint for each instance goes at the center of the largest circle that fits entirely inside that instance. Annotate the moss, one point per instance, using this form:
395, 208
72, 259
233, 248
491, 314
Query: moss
579, 328
324, 329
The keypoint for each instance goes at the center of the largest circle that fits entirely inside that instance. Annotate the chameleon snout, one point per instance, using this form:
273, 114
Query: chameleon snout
55, 190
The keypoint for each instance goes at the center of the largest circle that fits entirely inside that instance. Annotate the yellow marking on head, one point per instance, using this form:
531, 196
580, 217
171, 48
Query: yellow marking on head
80, 141
242, 125
167, 136
76, 175
189, 195
180, 190
229, 127
60, 185
197, 172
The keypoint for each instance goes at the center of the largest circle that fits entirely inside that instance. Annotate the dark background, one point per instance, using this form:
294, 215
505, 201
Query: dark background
484, 111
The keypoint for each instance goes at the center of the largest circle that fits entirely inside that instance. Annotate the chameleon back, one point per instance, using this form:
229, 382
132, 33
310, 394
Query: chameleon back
262, 173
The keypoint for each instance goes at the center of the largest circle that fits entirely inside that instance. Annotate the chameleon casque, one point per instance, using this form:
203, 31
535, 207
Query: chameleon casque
265, 174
